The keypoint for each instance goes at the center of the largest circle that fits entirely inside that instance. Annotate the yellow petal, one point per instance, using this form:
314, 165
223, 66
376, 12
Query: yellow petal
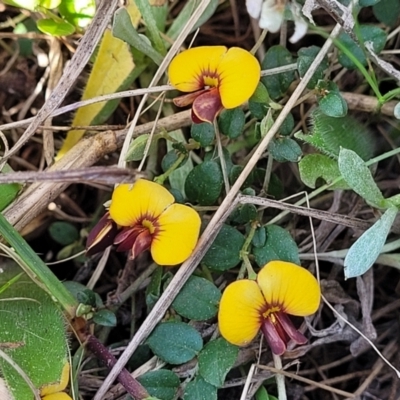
179, 231
239, 73
187, 70
239, 316
290, 286
144, 198
57, 396
48, 390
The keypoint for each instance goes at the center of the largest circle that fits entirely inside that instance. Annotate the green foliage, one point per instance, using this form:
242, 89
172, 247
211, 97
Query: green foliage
366, 33
329, 134
364, 252
199, 389
8, 191
198, 299
358, 176
63, 233
231, 122
216, 360
34, 326
203, 133
278, 84
105, 318
285, 149
279, 245
124, 30
204, 183
330, 101
387, 11
315, 166
224, 254
138, 145
306, 57
175, 342
162, 383
287, 125
171, 159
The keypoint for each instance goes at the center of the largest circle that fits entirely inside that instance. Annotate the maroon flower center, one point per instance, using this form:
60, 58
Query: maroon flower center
137, 238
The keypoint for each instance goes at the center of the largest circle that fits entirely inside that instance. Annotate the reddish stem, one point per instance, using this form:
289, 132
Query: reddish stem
132, 386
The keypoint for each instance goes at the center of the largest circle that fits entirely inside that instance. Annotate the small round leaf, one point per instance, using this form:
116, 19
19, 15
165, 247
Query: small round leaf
231, 122
198, 299
216, 360
175, 342
162, 384
63, 233
204, 183
278, 246
203, 133
224, 252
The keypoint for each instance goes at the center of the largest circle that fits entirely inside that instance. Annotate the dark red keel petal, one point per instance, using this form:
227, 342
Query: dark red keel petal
207, 106
289, 328
102, 235
142, 243
187, 99
273, 337
126, 238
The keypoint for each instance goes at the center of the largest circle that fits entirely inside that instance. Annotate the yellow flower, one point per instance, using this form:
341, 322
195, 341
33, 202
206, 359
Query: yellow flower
281, 288
55, 391
215, 78
145, 217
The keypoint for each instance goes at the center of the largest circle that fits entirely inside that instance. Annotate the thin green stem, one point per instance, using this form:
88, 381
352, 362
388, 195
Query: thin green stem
350, 55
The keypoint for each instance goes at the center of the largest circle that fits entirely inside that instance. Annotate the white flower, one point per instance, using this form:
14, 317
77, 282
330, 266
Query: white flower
271, 15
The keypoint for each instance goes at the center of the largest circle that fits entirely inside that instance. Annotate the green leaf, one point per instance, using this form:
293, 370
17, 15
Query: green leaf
105, 318
151, 25
278, 246
198, 299
63, 233
55, 28
175, 342
306, 57
78, 13
35, 329
387, 12
170, 159
367, 33
358, 176
329, 134
262, 394
231, 122
277, 84
8, 191
162, 383
260, 237
260, 95
216, 360
199, 389
124, 30
244, 214
368, 246
314, 166
204, 183
330, 100
287, 125
203, 133
285, 149
224, 253
137, 147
